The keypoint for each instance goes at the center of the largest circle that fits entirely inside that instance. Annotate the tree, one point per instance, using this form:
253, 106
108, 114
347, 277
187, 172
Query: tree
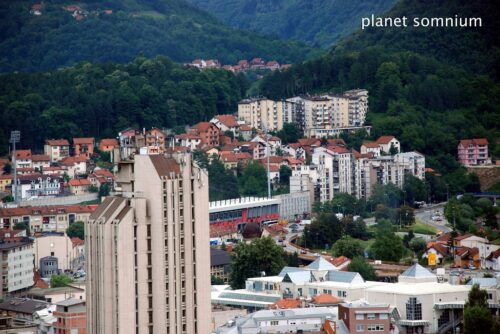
323, 231
393, 150
93, 189
285, 173
253, 182
387, 246
104, 190
418, 245
414, 189
477, 316
406, 215
222, 183
76, 229
59, 281
355, 228
293, 260
289, 133
7, 168
251, 260
348, 247
216, 280
230, 134
361, 266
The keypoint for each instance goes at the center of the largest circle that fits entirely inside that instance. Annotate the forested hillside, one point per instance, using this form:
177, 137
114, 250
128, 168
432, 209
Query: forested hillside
62, 33
99, 100
320, 22
429, 97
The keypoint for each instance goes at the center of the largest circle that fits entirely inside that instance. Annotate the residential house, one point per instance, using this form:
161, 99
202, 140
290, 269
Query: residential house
79, 186
108, 144
493, 260
155, 141
257, 63
387, 143
231, 160
36, 185
226, 123
209, 134
273, 143
71, 317
272, 65
5, 183
54, 218
189, 140
126, 139
440, 250
465, 257
83, 147
371, 147
482, 244
23, 309
295, 150
40, 162
101, 177
23, 159
245, 131
472, 152
74, 166
56, 149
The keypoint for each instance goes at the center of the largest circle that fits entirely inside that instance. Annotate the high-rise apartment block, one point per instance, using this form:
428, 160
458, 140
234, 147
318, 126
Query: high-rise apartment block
317, 116
148, 258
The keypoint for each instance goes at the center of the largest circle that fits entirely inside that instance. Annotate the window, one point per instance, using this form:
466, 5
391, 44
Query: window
383, 316
370, 316
360, 328
360, 317
413, 309
375, 328
274, 322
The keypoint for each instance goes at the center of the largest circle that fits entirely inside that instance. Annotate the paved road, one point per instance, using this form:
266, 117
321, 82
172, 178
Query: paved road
289, 247
425, 216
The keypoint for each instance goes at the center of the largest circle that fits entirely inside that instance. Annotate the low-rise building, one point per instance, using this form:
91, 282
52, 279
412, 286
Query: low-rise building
37, 185
23, 159
56, 149
45, 218
5, 183
79, 186
74, 166
220, 263
40, 162
108, 144
209, 133
472, 152
71, 317
83, 147
361, 317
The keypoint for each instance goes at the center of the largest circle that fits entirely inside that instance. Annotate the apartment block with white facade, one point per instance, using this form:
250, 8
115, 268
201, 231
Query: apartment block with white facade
148, 258
16, 264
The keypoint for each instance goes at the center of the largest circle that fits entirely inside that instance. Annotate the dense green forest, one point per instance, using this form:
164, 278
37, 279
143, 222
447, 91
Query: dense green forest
172, 28
430, 97
101, 99
320, 22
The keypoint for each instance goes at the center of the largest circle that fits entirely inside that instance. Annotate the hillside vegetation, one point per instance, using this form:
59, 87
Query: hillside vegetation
100, 100
320, 22
118, 31
429, 88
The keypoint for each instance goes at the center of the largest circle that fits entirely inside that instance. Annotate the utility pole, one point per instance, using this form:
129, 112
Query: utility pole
15, 137
268, 170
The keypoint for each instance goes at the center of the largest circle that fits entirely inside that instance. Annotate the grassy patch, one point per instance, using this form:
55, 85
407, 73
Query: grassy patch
422, 228
496, 242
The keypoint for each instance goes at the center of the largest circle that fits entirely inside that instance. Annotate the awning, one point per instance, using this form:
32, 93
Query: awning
448, 306
413, 323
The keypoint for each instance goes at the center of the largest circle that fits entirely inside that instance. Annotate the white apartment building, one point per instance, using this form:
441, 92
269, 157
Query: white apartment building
358, 106
17, 264
262, 113
148, 258
339, 164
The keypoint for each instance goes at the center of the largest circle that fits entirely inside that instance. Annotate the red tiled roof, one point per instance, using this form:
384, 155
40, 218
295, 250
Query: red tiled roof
70, 161
309, 141
245, 127
202, 126
77, 241
286, 303
57, 142
475, 141
40, 157
326, 298
440, 248
385, 139
79, 141
464, 236
338, 149
371, 145
23, 154
357, 155
336, 142
78, 182
108, 142
228, 120
6, 177
42, 210
494, 255
103, 172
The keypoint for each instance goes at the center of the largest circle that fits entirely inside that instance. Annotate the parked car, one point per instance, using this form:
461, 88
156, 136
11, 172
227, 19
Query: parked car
471, 267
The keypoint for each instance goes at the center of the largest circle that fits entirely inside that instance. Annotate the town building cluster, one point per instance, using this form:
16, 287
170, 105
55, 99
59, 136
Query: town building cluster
242, 65
317, 116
